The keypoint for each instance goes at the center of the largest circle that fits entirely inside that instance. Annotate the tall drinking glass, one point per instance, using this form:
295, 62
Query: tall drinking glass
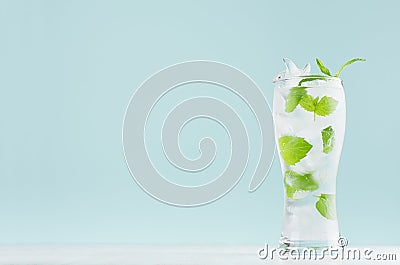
309, 120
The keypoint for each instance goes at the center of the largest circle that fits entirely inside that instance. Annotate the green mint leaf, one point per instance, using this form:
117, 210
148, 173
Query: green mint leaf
294, 97
290, 192
323, 68
296, 182
293, 149
308, 76
309, 79
348, 63
326, 106
307, 103
328, 139
315, 101
322, 107
326, 206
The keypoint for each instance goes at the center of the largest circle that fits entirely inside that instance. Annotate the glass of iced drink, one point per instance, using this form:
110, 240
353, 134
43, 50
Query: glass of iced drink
309, 114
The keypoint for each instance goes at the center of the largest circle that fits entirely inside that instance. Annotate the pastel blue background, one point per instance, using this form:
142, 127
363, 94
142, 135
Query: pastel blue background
69, 68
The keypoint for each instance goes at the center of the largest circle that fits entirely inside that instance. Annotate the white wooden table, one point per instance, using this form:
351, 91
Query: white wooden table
155, 255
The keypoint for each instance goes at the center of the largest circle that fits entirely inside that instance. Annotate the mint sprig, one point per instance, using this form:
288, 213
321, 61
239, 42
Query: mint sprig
326, 205
307, 102
328, 139
326, 71
293, 149
295, 182
321, 107
348, 63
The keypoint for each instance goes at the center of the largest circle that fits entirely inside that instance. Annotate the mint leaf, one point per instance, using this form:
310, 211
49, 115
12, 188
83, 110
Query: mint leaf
326, 206
326, 106
294, 97
296, 182
328, 139
293, 149
309, 79
307, 76
315, 101
322, 107
290, 192
323, 68
307, 103
348, 63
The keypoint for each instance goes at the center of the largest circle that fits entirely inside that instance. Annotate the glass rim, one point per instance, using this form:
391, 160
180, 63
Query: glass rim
326, 78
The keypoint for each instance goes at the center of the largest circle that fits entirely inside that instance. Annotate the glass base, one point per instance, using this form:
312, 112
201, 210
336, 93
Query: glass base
285, 242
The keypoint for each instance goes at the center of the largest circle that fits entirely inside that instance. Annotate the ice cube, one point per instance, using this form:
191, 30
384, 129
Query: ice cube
292, 70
